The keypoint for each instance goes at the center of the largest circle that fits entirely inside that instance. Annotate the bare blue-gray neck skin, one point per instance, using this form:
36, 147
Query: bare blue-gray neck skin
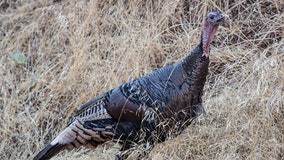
210, 27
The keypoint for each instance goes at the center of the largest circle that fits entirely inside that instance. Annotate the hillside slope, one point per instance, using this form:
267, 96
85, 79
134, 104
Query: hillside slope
57, 55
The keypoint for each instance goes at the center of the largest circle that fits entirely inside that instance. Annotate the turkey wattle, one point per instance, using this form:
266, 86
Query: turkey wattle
145, 110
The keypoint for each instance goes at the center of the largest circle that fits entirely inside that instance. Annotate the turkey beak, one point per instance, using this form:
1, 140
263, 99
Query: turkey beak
220, 19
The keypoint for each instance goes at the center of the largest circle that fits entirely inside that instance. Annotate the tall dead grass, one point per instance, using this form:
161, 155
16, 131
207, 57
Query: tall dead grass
78, 49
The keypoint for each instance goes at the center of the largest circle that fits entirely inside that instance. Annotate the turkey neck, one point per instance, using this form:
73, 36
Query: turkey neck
208, 33
195, 66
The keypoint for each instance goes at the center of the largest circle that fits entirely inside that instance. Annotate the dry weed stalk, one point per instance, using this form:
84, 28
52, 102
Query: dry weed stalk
78, 49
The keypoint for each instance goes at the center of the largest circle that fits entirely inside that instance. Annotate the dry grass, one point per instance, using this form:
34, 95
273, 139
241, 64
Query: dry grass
78, 49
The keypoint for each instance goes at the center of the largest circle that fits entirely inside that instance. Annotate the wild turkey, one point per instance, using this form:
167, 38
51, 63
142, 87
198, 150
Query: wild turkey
145, 110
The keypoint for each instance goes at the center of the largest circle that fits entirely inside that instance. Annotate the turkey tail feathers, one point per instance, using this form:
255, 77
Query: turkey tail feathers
72, 137
49, 151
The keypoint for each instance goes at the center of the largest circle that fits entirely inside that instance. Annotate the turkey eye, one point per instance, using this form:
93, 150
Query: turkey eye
211, 17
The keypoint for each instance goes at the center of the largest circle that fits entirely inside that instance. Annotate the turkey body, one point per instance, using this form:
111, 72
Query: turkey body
170, 96
145, 110
172, 93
